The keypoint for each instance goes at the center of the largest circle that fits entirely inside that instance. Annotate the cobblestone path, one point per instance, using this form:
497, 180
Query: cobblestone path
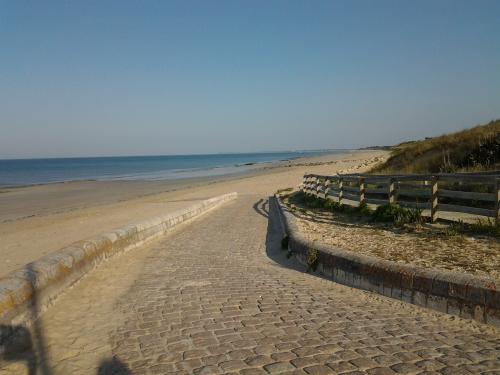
218, 296
210, 301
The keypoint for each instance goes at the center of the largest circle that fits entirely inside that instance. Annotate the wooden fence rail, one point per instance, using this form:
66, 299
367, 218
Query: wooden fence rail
470, 193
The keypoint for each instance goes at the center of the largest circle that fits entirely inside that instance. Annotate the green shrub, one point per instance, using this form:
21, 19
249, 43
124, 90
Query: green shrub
392, 213
386, 213
364, 209
333, 206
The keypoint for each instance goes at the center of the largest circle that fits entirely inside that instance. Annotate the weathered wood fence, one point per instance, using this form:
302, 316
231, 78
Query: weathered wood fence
471, 193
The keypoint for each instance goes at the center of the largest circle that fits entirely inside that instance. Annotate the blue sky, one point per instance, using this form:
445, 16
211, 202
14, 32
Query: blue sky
89, 78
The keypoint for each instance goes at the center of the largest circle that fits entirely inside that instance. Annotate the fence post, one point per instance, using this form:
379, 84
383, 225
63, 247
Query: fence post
361, 191
392, 196
434, 198
341, 189
497, 200
327, 188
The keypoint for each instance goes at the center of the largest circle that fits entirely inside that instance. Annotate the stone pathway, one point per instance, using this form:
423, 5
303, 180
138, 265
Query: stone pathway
218, 296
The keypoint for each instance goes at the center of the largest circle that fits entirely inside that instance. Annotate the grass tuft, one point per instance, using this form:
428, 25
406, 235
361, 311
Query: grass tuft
487, 227
312, 259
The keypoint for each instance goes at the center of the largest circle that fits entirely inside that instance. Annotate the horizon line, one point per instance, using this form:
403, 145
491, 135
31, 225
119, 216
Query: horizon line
194, 154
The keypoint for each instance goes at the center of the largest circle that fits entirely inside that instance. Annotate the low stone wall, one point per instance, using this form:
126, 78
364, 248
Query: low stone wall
25, 292
458, 294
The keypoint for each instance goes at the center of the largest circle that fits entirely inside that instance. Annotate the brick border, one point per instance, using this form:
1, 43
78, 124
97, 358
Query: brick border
24, 293
449, 292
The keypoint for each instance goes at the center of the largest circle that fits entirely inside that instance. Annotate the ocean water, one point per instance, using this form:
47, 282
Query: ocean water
21, 172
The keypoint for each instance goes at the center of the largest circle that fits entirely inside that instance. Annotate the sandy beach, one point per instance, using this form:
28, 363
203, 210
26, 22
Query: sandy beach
37, 220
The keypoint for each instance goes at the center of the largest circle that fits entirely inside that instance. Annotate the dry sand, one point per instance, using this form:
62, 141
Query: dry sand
478, 255
38, 220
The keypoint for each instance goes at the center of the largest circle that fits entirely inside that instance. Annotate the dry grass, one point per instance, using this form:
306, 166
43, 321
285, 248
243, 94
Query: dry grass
471, 150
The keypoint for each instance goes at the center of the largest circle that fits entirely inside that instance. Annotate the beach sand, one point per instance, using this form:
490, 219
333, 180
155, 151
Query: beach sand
38, 220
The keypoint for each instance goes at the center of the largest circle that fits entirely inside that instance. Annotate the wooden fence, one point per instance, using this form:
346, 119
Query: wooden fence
470, 193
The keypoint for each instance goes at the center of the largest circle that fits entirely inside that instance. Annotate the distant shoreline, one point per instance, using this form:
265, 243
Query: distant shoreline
222, 172
58, 214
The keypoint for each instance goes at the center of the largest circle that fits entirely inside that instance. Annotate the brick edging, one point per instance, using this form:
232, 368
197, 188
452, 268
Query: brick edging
26, 291
467, 296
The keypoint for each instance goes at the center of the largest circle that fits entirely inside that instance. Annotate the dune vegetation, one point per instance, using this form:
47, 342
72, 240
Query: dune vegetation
471, 150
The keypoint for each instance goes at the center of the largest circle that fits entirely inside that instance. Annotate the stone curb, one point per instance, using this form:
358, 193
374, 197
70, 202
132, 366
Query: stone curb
26, 291
466, 296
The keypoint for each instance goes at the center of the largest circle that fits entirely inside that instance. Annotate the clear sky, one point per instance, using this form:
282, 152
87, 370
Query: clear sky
85, 78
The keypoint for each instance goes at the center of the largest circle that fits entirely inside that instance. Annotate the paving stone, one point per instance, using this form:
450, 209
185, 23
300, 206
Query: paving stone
405, 368
283, 356
207, 370
363, 363
240, 354
380, 371
259, 360
212, 297
278, 367
253, 371
429, 364
451, 370
318, 370
342, 366
386, 360
303, 361
232, 365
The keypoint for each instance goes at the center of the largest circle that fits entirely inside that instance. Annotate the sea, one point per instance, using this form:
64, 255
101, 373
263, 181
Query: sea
22, 172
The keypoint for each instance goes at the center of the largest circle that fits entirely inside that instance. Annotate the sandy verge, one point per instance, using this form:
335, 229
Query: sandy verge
424, 246
38, 220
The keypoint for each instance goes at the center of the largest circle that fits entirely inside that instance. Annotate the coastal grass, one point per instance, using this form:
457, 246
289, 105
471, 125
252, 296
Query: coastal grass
488, 227
471, 150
